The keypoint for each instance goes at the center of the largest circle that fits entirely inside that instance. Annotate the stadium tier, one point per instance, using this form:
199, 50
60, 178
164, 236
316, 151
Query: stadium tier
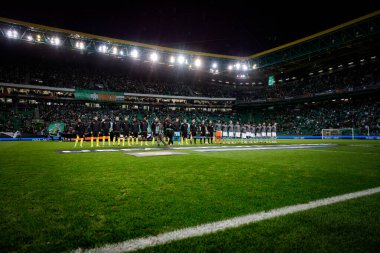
46, 79
68, 70
308, 118
38, 89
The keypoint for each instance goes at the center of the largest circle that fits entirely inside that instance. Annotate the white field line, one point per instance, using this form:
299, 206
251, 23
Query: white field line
208, 228
343, 151
137, 148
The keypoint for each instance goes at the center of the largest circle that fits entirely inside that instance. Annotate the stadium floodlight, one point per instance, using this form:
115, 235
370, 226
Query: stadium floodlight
121, 53
38, 37
55, 41
135, 53
362, 60
103, 49
198, 63
230, 67
330, 68
13, 34
254, 66
214, 65
181, 59
153, 57
79, 45
237, 66
216, 71
114, 50
244, 67
29, 37
172, 59
340, 66
350, 63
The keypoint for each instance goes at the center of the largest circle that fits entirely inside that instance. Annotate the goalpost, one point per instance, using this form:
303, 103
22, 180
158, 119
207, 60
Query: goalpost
338, 133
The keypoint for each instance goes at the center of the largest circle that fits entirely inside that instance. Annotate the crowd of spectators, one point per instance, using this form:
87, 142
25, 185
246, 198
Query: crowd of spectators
310, 118
351, 78
81, 76
93, 78
68, 113
302, 119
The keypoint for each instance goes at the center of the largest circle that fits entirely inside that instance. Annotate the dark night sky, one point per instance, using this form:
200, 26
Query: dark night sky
238, 28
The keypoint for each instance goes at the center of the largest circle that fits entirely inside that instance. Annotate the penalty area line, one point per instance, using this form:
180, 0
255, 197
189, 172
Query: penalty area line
213, 227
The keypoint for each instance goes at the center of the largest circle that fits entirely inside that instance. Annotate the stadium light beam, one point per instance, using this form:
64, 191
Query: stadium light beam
230, 67
214, 65
181, 59
237, 66
153, 57
114, 50
198, 63
172, 59
13, 34
79, 45
244, 67
135, 53
29, 37
103, 49
55, 41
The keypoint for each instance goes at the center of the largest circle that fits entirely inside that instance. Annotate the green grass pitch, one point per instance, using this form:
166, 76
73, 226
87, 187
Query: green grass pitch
54, 202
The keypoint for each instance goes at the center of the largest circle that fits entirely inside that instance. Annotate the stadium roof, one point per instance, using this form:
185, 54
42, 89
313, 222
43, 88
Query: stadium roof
229, 28
175, 50
352, 34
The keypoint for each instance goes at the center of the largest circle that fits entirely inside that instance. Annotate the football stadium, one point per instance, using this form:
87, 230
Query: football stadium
113, 145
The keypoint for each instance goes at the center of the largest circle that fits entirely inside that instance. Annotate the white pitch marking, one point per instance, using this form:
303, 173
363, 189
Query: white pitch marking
197, 148
208, 228
106, 150
343, 151
261, 148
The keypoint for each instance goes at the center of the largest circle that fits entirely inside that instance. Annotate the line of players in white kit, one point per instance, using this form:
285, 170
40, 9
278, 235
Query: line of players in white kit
252, 133
168, 131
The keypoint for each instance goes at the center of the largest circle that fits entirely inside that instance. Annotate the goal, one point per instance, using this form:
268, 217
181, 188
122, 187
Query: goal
338, 133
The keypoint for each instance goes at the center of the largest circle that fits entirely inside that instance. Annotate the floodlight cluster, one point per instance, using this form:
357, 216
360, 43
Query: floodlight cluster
192, 62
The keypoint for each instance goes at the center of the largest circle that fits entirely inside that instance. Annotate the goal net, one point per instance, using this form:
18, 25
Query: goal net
338, 133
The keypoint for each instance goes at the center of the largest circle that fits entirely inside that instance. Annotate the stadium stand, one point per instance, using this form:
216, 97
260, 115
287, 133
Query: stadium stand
88, 77
38, 85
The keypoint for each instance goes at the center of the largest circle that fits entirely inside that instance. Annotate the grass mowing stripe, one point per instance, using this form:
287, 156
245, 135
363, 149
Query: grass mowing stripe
58, 203
208, 228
